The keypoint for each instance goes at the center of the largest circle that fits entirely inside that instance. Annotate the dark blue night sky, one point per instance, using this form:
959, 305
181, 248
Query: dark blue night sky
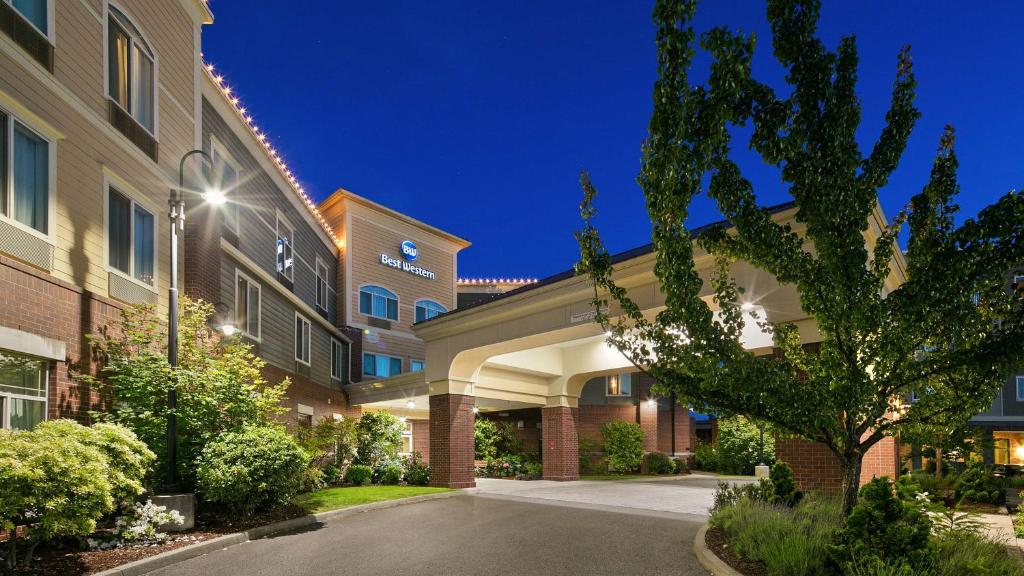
476, 117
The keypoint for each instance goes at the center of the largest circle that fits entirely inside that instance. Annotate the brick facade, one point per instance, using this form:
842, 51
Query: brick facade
326, 402
421, 438
685, 437
451, 441
561, 446
816, 468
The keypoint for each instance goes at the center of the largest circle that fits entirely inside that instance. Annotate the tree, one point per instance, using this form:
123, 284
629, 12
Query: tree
951, 326
378, 438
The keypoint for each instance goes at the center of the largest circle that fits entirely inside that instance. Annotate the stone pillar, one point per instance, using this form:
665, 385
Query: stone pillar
451, 441
561, 444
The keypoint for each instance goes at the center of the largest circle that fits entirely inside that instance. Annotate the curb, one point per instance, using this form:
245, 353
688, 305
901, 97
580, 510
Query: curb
146, 565
713, 564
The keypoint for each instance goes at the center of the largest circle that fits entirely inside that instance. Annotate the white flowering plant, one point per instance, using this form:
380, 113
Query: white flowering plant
140, 524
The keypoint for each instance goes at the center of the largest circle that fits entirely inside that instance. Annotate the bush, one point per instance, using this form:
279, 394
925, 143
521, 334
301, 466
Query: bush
881, 525
358, 474
705, 457
680, 466
623, 445
388, 474
738, 446
139, 524
254, 469
485, 439
784, 486
328, 442
976, 484
332, 474
657, 463
589, 454
964, 553
378, 438
531, 471
507, 466
416, 472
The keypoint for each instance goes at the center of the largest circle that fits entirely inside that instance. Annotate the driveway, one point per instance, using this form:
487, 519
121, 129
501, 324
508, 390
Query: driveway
505, 527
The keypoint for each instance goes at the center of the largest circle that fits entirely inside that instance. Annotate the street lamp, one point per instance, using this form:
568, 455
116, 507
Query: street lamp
177, 215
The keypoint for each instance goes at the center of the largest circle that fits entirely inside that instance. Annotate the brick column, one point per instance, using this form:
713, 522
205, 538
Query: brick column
451, 441
647, 418
561, 445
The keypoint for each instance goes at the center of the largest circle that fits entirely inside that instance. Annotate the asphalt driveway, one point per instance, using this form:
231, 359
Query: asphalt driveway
583, 530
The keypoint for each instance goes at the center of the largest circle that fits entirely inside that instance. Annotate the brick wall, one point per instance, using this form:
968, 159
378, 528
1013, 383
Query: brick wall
421, 438
451, 441
201, 256
33, 301
530, 434
816, 468
325, 401
561, 446
685, 437
591, 418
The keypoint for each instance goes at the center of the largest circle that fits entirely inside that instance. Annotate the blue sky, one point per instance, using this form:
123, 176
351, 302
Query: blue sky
477, 117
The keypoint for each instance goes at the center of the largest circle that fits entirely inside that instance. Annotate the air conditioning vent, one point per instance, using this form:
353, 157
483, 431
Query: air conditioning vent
26, 247
25, 35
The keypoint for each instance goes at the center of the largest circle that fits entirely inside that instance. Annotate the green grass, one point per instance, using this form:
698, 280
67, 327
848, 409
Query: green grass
335, 498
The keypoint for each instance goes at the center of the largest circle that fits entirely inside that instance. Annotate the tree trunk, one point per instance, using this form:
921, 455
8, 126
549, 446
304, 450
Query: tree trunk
938, 461
12, 549
851, 482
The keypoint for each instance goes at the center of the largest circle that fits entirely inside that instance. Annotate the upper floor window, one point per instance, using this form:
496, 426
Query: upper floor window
25, 184
131, 80
225, 179
427, 309
321, 284
619, 384
36, 12
1020, 388
301, 339
248, 314
416, 365
23, 394
381, 366
285, 248
379, 302
337, 359
131, 236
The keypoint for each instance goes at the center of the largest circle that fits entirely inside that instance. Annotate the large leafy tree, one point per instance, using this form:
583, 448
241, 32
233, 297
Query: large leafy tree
951, 330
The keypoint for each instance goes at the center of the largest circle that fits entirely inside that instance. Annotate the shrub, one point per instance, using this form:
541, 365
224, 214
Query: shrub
388, 474
881, 525
962, 553
358, 474
332, 473
623, 445
784, 486
705, 457
506, 466
589, 454
739, 441
976, 484
254, 469
532, 471
416, 472
680, 466
139, 524
328, 442
378, 438
657, 463
485, 439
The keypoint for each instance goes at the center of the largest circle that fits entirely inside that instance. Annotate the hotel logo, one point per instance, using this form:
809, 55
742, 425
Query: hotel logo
409, 251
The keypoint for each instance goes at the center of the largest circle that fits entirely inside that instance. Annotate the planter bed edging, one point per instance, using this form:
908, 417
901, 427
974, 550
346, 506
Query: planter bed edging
712, 563
146, 565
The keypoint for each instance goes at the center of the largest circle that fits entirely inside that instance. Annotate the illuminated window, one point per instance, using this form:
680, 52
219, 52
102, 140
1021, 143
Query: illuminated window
619, 384
1008, 448
321, 284
248, 313
301, 339
23, 387
407, 438
285, 248
427, 309
131, 236
381, 366
378, 302
130, 69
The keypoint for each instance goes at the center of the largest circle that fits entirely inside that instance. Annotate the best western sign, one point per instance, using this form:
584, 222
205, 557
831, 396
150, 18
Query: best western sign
409, 255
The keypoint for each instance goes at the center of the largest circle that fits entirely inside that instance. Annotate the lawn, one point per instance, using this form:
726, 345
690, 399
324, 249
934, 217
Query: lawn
335, 498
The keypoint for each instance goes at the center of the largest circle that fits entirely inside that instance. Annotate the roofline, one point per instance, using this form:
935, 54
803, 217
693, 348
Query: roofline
616, 259
341, 193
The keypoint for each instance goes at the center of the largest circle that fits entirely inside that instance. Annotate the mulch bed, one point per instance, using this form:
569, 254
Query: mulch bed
68, 560
717, 543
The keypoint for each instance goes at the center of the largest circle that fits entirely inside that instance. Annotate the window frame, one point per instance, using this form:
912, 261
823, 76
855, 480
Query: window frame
619, 375
122, 187
1018, 380
258, 337
107, 15
295, 343
337, 347
290, 276
376, 355
322, 281
419, 304
50, 236
49, 34
6, 397
219, 151
414, 361
407, 433
398, 302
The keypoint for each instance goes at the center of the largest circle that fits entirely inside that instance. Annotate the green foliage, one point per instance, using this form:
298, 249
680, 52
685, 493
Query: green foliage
531, 471
882, 525
378, 438
977, 484
657, 463
219, 381
416, 472
705, 457
252, 469
680, 466
623, 445
963, 553
876, 314
389, 474
788, 541
506, 466
328, 442
358, 474
485, 438
784, 489
739, 446
589, 455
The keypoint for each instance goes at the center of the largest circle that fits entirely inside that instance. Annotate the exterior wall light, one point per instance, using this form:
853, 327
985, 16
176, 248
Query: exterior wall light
229, 330
410, 404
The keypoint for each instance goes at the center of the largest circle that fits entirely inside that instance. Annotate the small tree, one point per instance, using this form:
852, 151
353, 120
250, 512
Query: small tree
329, 441
623, 445
378, 438
485, 438
951, 328
739, 445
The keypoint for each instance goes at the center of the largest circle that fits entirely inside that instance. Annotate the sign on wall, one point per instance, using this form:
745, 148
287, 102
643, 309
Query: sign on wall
409, 253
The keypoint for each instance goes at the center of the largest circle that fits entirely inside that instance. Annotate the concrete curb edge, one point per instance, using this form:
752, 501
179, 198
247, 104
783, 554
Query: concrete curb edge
146, 565
712, 563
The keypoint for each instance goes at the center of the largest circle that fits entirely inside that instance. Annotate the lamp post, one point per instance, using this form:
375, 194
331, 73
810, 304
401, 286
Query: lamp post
177, 215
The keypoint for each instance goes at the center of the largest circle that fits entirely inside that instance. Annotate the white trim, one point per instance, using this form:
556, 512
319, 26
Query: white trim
218, 149
258, 337
325, 281
5, 397
30, 344
416, 304
408, 432
155, 132
303, 409
347, 255
50, 236
309, 333
341, 345
51, 32
398, 302
111, 179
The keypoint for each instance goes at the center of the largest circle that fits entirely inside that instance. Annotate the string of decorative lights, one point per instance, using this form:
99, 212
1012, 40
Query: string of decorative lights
261, 137
497, 280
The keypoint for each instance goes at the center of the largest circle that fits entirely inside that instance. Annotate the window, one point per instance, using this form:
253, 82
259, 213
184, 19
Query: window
22, 391
381, 366
36, 12
379, 302
1008, 448
1018, 285
618, 384
1020, 388
131, 236
321, 284
427, 309
416, 365
247, 305
305, 416
24, 175
130, 69
301, 339
285, 248
225, 179
406, 437
337, 359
